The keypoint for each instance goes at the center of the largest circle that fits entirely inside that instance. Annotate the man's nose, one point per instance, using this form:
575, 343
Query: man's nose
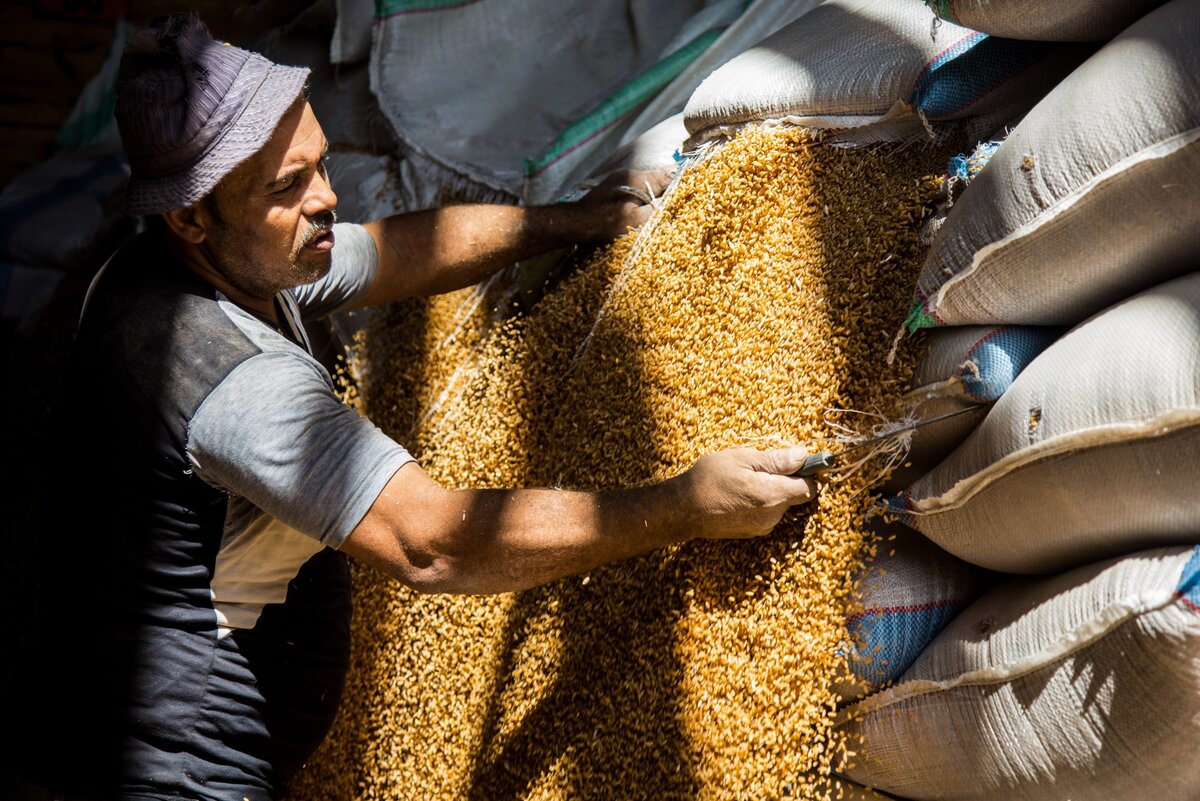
321, 196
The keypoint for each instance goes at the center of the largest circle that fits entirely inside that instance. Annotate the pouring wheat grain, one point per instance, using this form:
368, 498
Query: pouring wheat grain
766, 292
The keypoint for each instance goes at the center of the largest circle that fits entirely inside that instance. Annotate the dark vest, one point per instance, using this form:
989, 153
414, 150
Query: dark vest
132, 690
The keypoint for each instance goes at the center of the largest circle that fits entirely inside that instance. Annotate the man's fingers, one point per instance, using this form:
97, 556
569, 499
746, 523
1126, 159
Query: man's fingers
791, 490
783, 461
783, 464
657, 180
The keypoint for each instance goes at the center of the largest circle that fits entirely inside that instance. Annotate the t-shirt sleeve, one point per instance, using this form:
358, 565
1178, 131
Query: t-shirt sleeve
274, 433
353, 265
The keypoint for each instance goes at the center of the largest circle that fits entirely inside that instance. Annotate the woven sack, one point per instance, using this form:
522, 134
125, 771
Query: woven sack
1067, 21
964, 367
1091, 197
909, 591
1090, 453
351, 40
60, 213
883, 70
1080, 686
655, 95
480, 87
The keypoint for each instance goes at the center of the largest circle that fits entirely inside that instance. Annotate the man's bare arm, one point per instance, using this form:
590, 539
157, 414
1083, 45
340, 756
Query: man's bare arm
486, 541
441, 250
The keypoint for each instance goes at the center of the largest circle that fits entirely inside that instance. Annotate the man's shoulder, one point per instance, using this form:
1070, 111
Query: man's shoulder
152, 324
143, 287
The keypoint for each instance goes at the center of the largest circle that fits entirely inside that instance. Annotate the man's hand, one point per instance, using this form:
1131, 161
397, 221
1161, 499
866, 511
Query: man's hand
623, 200
744, 492
441, 250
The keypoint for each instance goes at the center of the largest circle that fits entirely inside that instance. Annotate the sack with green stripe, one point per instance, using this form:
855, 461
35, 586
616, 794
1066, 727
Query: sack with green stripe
649, 105
475, 89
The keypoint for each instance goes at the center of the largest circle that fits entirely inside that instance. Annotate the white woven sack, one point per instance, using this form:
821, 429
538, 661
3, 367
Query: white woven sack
1091, 452
907, 593
1092, 197
1064, 21
964, 367
655, 149
351, 41
340, 95
883, 69
710, 38
1081, 686
479, 87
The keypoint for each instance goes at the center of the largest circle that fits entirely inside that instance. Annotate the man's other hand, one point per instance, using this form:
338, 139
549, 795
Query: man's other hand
744, 492
623, 200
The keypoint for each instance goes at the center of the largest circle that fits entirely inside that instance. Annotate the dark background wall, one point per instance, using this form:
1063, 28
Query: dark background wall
49, 49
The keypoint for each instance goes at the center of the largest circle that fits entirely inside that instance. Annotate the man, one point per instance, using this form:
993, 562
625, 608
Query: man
197, 613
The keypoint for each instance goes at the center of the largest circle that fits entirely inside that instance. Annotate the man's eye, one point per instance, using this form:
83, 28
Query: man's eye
285, 186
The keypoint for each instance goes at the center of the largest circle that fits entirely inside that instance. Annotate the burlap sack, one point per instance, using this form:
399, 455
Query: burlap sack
1091, 197
1082, 686
1090, 453
1068, 21
877, 72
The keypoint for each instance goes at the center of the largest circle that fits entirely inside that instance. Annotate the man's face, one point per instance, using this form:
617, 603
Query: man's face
268, 220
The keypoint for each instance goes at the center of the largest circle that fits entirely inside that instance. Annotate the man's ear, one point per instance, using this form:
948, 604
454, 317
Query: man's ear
190, 223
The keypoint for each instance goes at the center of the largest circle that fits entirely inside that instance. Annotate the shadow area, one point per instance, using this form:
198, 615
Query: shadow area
588, 694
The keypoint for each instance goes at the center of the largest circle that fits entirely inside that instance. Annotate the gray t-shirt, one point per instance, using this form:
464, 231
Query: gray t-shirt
208, 472
301, 468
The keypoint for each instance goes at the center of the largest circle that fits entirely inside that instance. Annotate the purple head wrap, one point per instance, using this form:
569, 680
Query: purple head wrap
190, 109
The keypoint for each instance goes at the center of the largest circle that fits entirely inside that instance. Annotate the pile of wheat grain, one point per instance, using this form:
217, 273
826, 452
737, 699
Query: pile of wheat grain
765, 292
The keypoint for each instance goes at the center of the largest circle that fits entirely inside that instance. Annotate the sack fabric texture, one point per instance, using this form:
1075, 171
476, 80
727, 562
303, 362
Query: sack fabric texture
1079, 686
1088, 200
963, 367
526, 97
1090, 453
878, 72
910, 590
1067, 21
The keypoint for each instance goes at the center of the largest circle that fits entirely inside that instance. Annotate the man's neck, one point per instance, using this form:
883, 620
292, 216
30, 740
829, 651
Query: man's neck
196, 260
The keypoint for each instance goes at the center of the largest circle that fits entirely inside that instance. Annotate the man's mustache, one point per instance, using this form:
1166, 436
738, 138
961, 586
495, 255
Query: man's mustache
318, 225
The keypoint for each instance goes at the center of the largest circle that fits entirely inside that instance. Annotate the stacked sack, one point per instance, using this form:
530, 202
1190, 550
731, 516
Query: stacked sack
1080, 679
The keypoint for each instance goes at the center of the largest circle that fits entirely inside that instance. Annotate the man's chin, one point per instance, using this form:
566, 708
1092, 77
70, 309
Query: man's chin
312, 267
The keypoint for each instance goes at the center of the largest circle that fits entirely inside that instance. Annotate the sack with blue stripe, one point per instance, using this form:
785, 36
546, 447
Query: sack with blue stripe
1091, 198
1091, 452
909, 590
1078, 686
961, 367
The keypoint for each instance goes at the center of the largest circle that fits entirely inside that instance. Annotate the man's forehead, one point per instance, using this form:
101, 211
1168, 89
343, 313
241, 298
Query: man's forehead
297, 141
307, 137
